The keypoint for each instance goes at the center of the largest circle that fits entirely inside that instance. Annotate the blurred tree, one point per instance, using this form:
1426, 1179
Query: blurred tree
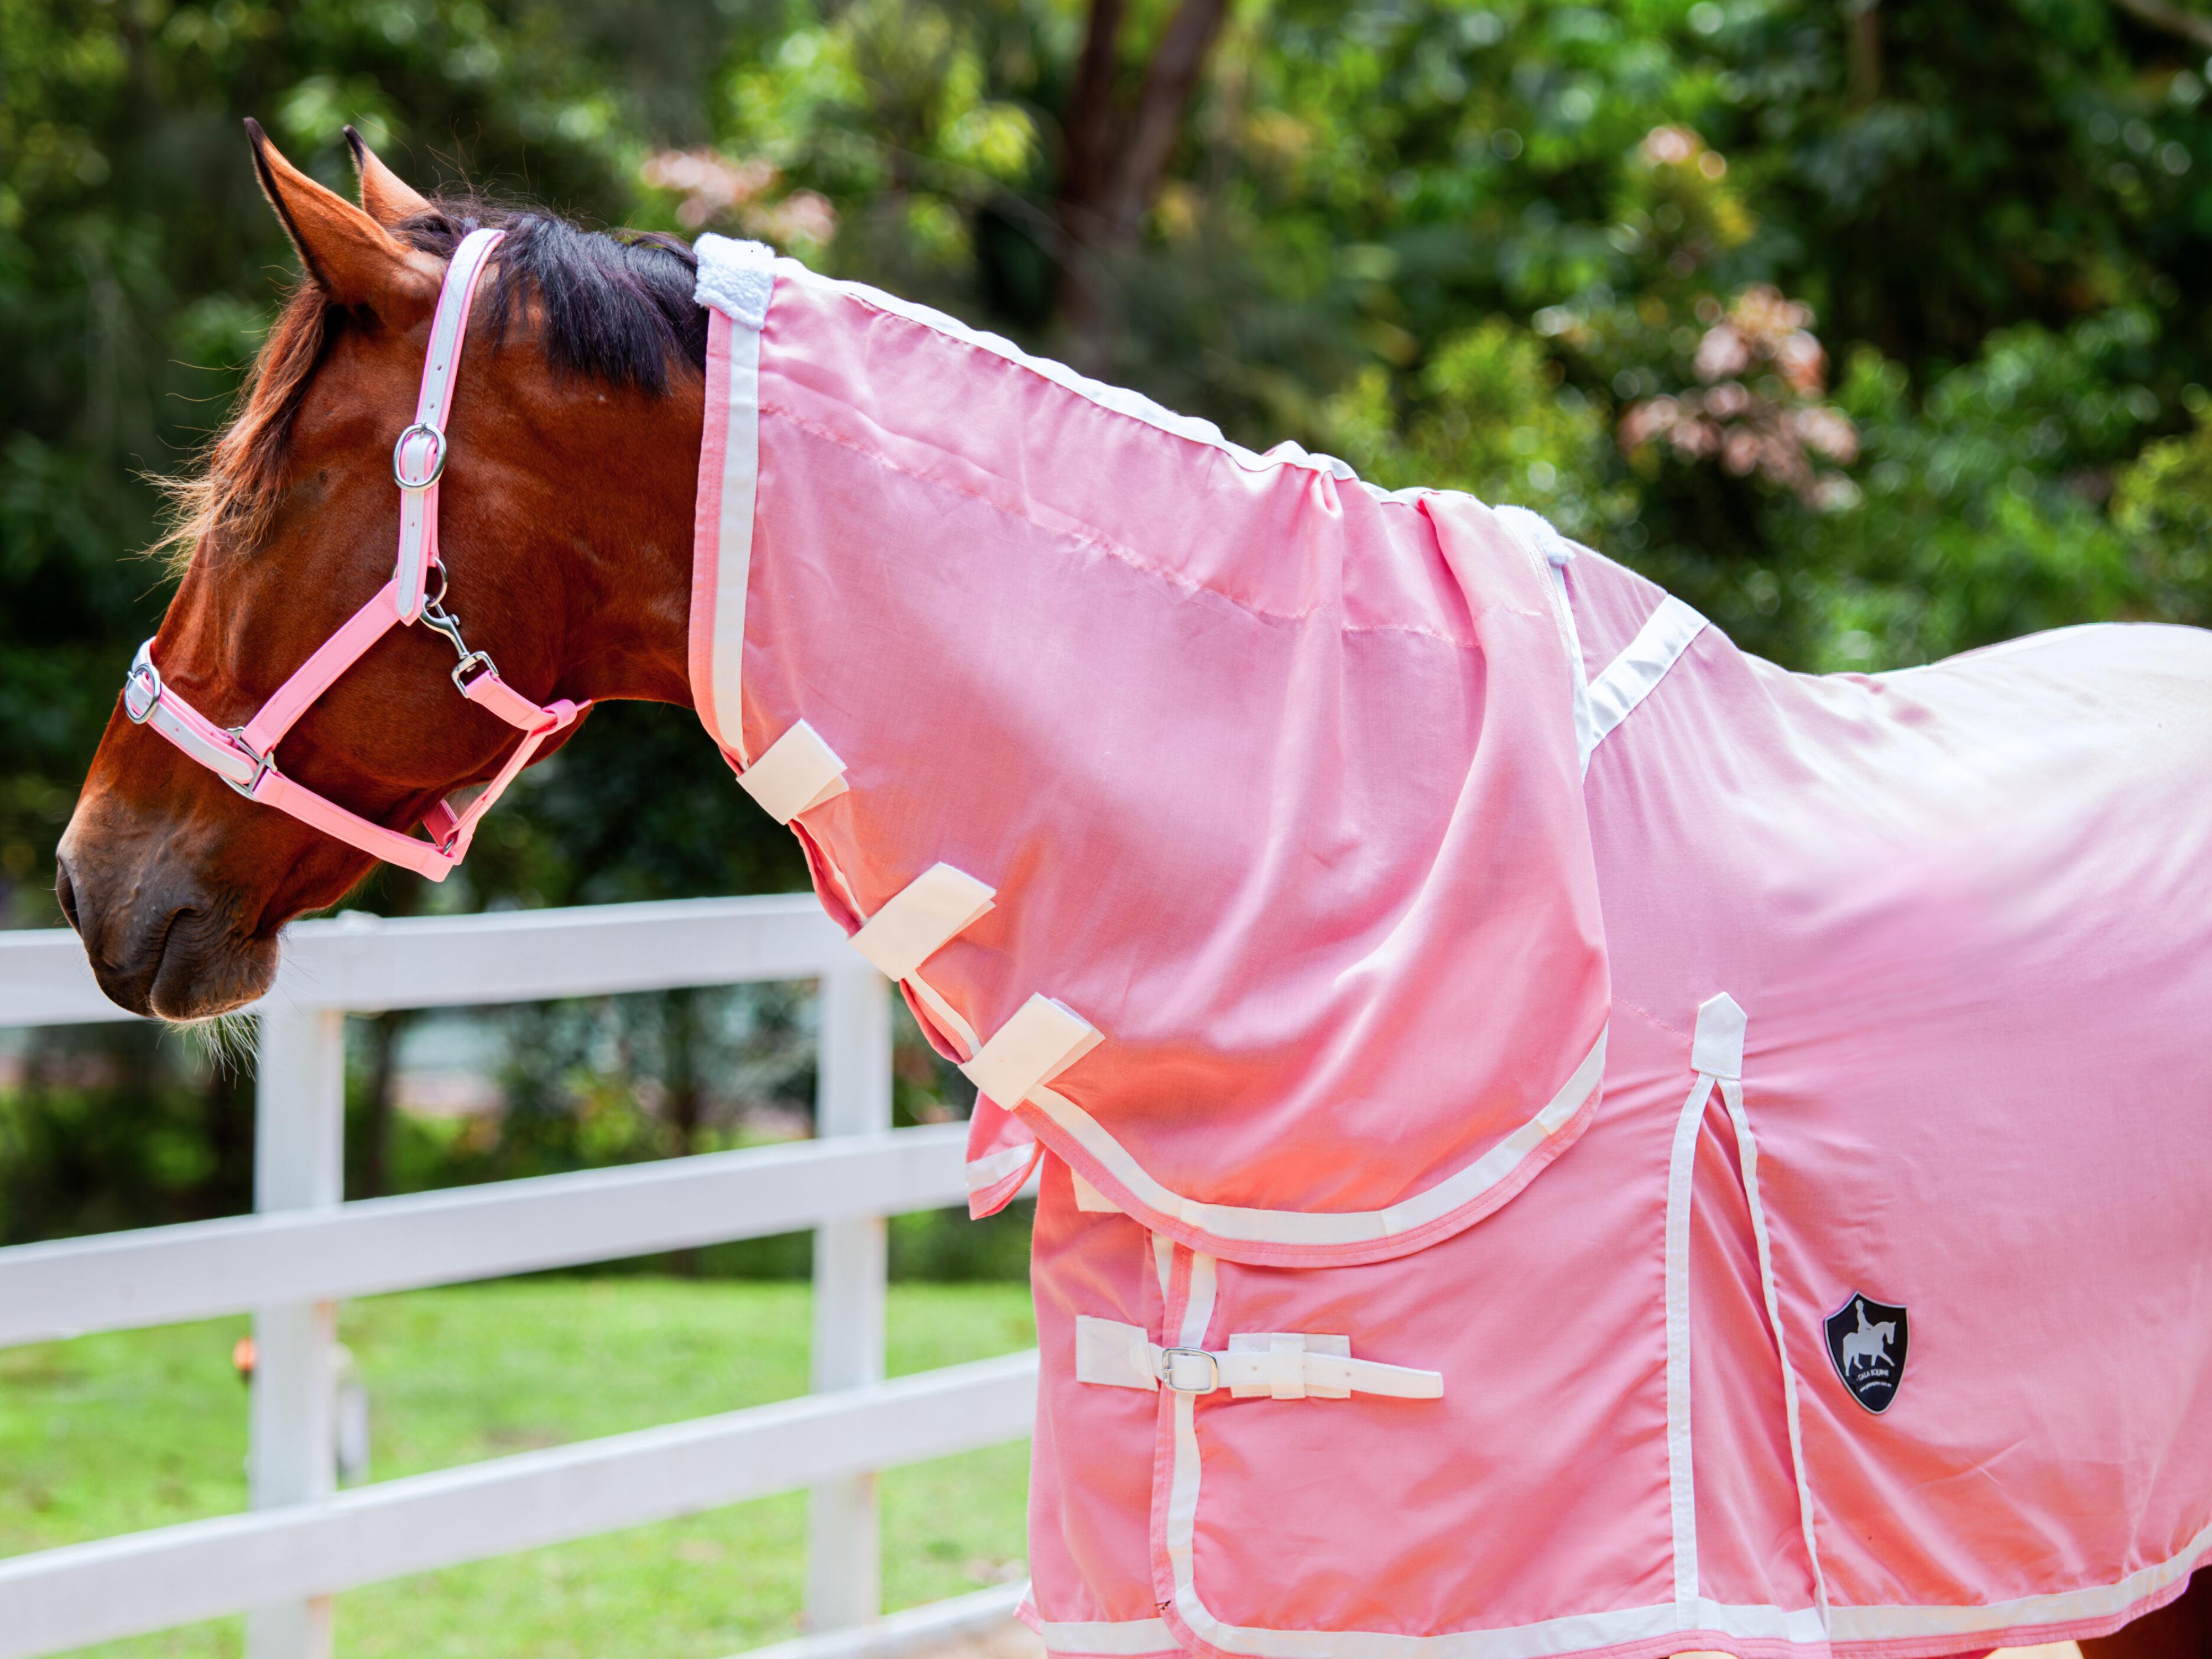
1113, 155
1877, 330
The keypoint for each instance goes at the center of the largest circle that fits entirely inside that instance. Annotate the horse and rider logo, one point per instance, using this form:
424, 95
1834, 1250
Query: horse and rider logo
1866, 1344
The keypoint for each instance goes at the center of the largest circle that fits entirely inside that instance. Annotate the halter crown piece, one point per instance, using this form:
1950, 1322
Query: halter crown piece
244, 757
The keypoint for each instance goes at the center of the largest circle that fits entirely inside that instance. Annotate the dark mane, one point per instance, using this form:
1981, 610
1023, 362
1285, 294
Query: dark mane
614, 307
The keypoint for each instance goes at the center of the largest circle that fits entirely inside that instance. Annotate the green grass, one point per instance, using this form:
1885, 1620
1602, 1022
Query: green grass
112, 1433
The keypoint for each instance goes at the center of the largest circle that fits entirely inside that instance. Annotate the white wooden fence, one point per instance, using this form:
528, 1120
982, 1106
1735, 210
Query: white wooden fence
303, 1250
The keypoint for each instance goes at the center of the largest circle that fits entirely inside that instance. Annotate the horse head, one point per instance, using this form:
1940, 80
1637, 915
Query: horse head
567, 496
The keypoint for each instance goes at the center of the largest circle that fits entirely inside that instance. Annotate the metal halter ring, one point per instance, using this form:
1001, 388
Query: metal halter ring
437, 453
1167, 1372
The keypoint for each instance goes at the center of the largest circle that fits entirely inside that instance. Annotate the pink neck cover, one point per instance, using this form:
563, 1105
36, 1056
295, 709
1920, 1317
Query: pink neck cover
1555, 1136
244, 757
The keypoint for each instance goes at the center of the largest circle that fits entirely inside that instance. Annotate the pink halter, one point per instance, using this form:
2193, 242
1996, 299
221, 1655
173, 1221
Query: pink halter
244, 757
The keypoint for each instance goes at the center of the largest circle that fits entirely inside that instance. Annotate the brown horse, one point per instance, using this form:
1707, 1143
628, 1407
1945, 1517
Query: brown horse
568, 513
567, 502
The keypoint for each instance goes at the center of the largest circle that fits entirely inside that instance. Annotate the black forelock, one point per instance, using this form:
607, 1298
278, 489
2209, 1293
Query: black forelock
615, 306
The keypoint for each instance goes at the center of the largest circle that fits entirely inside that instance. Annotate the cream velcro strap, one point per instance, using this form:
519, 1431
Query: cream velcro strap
798, 771
1042, 1040
1258, 1365
924, 916
1115, 1355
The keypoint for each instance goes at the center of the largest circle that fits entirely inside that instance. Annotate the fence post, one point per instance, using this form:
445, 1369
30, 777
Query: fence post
853, 1095
299, 1163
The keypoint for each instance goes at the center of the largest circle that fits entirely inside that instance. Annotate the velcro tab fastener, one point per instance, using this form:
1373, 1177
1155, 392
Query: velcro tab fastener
925, 915
1116, 1355
798, 771
1717, 1047
1042, 1040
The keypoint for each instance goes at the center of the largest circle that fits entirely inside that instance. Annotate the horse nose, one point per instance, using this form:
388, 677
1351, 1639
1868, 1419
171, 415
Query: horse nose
124, 941
65, 893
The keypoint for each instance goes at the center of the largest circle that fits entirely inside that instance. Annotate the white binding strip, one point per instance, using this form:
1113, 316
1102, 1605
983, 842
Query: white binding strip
1535, 534
1630, 678
1119, 1639
1680, 1486
1715, 1051
1577, 1633
949, 1017
990, 1171
1731, 1088
1182, 1486
733, 560
921, 919
1535, 1641
737, 279
2059, 1608
1329, 1227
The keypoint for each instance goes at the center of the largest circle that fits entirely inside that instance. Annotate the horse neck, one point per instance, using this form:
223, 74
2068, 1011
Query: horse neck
626, 508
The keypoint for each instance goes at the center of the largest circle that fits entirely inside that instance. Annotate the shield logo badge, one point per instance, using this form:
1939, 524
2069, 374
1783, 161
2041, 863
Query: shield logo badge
1866, 1344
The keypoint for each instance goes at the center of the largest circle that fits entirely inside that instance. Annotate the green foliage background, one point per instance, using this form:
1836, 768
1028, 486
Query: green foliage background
1477, 243
1426, 235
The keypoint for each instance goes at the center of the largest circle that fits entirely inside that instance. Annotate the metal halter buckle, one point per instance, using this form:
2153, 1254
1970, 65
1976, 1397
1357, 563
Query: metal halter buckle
1167, 1372
262, 764
141, 687
437, 456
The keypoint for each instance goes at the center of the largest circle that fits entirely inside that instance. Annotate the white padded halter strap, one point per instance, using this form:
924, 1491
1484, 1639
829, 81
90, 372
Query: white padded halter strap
419, 457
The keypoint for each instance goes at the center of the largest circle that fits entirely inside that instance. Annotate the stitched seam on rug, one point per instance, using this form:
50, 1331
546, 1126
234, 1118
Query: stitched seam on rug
855, 293
1650, 1018
1089, 536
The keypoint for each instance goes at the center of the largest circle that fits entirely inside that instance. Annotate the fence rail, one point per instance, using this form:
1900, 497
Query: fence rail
84, 1593
364, 964
303, 1250
161, 1275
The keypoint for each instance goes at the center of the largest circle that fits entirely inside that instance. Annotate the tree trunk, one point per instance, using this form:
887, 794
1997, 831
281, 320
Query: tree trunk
1863, 51
1114, 153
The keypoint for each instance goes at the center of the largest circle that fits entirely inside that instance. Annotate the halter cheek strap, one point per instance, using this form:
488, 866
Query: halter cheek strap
244, 757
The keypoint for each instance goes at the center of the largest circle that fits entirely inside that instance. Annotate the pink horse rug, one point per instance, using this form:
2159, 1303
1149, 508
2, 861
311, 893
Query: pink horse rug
1557, 1136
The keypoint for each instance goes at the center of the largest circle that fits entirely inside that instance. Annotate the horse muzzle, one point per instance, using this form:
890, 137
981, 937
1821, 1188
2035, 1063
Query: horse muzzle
160, 945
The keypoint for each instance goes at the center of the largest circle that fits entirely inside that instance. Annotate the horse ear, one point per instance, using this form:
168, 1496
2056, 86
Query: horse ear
346, 254
387, 198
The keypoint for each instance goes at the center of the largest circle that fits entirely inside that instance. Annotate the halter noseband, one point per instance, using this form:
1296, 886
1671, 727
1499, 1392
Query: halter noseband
244, 757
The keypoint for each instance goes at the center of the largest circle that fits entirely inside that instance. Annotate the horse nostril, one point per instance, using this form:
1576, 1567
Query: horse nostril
66, 893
